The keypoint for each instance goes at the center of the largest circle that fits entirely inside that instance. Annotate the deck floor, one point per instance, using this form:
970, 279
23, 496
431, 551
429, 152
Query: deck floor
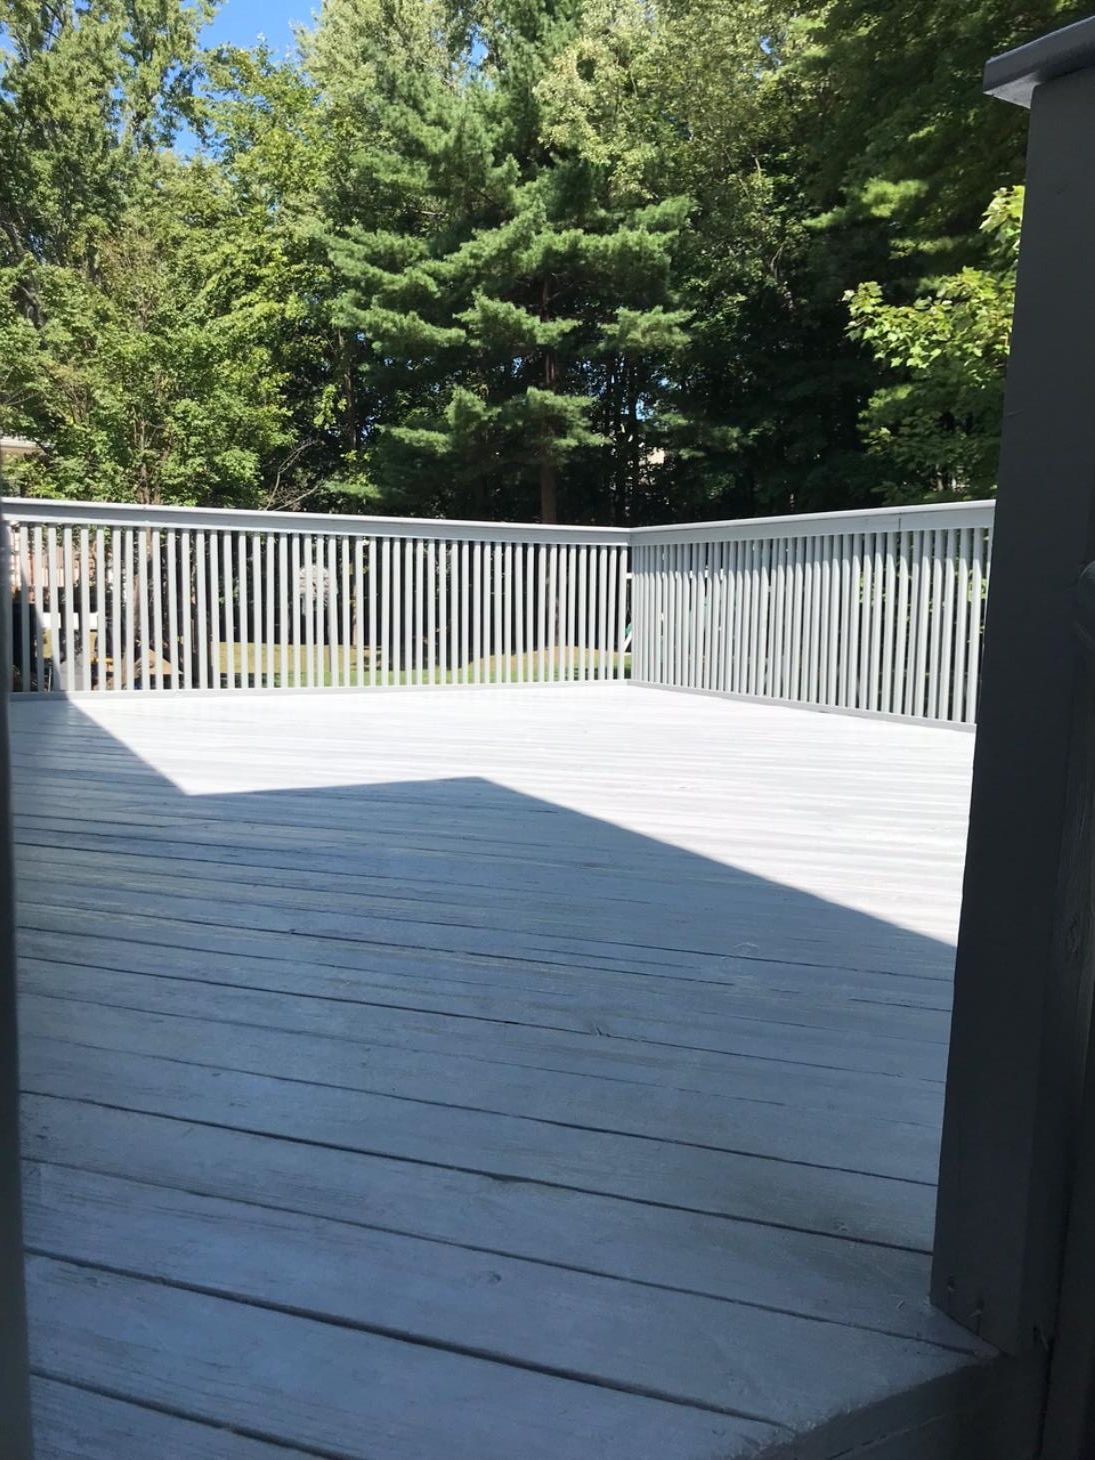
471, 1075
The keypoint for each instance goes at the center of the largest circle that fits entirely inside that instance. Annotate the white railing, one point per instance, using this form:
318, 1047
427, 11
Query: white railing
108, 597
879, 611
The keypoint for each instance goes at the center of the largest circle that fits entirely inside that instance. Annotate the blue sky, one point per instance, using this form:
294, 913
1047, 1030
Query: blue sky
241, 22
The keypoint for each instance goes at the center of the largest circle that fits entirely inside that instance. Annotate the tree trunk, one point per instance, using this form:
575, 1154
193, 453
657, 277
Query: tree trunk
549, 504
549, 500
350, 423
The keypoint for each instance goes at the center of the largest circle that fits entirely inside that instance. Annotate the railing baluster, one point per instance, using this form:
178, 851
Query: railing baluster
172, 556
347, 618
504, 608
689, 578
518, 612
155, 547
385, 609
67, 605
242, 619
944, 695
294, 589
889, 606
130, 585
373, 635
200, 560
923, 626
99, 680
876, 622
465, 610
553, 619
308, 607
443, 591
612, 666
866, 622
359, 612
977, 625
227, 648
319, 611
84, 560
832, 629
257, 635
116, 635
961, 625
283, 629
419, 610
183, 593
431, 612
408, 612
330, 672
270, 545
526, 622
27, 672
477, 612
935, 628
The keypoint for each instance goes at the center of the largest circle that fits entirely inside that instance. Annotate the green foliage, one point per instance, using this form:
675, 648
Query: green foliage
624, 260
520, 312
88, 92
136, 390
114, 359
936, 427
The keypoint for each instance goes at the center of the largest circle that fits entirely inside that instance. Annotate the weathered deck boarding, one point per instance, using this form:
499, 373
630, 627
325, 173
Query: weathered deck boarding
550, 1074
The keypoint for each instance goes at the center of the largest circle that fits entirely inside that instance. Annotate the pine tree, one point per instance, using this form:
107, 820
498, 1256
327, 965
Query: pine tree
533, 287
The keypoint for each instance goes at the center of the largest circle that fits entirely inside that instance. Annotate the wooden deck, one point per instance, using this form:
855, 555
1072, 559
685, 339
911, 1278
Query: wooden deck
540, 1073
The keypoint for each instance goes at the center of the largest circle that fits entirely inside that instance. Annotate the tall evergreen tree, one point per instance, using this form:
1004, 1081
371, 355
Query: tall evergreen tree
495, 326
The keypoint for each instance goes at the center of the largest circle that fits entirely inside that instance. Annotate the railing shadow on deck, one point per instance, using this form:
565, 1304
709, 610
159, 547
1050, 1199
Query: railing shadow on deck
501, 992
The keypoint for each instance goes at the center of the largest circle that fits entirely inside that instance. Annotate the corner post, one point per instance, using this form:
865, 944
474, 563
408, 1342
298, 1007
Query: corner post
1024, 962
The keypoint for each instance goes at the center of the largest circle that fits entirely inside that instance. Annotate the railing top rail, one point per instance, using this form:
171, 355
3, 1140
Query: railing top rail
871, 519
114, 514
227, 519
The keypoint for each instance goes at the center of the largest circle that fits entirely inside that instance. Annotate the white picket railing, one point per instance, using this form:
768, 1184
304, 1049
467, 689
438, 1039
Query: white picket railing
879, 611
110, 597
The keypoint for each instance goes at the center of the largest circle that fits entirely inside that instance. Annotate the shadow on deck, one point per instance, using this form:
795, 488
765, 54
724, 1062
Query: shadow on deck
433, 1118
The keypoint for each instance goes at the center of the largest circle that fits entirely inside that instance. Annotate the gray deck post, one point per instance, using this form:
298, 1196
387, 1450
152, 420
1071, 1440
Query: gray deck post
1023, 977
14, 1397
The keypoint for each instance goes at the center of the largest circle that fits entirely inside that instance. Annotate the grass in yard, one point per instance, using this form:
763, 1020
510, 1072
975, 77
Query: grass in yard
493, 669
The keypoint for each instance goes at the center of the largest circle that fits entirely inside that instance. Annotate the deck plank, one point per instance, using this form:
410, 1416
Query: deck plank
80, 1424
571, 1060
575, 1034
675, 1346
859, 1207
341, 1391
822, 1277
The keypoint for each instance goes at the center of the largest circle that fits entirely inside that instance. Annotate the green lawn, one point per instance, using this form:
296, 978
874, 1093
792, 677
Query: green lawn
491, 670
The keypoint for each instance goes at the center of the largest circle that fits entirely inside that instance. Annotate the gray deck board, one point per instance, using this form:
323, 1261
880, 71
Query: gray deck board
544, 1072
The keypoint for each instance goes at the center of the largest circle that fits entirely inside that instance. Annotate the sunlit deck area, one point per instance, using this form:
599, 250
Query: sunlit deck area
550, 1072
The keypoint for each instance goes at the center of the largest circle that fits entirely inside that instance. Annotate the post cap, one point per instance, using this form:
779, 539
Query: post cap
1014, 75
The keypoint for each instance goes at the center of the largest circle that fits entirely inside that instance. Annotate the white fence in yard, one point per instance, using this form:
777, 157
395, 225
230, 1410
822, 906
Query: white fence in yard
877, 611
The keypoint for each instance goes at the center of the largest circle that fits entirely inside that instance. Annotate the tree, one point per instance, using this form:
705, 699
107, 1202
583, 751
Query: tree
135, 389
625, 260
936, 428
271, 156
90, 92
533, 288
